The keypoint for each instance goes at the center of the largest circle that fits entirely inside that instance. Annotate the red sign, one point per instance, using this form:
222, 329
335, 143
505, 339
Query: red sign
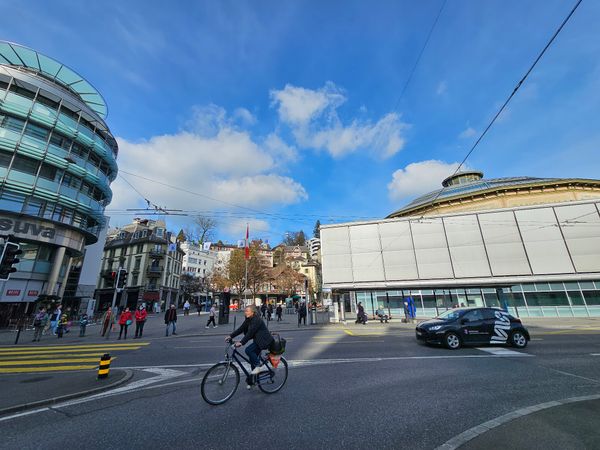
13, 292
32, 293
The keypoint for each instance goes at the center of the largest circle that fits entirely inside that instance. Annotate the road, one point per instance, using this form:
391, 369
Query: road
353, 387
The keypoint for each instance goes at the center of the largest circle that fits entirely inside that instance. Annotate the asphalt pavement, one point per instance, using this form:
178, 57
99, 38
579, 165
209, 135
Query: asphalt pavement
350, 386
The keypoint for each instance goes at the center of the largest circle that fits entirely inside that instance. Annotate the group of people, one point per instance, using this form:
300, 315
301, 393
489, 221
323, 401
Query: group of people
125, 319
266, 311
361, 315
56, 321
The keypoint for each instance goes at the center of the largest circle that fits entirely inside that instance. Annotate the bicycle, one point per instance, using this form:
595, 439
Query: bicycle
221, 381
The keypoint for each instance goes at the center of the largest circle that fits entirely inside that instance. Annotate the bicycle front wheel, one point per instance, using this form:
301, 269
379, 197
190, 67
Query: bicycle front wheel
273, 380
220, 383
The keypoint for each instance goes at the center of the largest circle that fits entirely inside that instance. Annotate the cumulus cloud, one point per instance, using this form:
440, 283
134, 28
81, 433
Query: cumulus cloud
237, 227
313, 118
467, 133
244, 116
419, 178
211, 157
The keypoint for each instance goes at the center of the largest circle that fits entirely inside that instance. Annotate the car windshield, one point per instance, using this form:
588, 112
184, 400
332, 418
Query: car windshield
451, 314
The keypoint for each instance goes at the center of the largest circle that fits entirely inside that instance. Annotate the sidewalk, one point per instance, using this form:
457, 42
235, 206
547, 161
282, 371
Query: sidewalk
41, 389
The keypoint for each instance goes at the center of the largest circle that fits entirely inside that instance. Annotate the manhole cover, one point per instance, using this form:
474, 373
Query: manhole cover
35, 380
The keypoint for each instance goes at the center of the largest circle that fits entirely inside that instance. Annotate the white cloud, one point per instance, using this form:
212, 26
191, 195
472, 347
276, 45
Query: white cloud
244, 116
467, 133
314, 121
419, 178
214, 159
237, 227
442, 87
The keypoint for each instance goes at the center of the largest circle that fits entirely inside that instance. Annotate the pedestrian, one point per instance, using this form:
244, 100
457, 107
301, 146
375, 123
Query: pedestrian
269, 312
107, 321
171, 319
186, 308
124, 321
211, 316
361, 316
302, 313
83, 321
140, 320
61, 325
263, 310
39, 322
55, 318
279, 312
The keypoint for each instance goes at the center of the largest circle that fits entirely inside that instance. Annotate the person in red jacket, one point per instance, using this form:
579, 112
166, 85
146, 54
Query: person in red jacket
140, 320
125, 320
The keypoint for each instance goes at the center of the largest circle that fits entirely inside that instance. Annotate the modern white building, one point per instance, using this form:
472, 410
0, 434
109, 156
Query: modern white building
196, 261
314, 246
531, 243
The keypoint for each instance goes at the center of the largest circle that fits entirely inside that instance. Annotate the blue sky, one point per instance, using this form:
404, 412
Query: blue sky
292, 110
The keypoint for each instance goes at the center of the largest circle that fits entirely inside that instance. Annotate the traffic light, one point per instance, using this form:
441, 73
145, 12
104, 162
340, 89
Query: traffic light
122, 282
9, 258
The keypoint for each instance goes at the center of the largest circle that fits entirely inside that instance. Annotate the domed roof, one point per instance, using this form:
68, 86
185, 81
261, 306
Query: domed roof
467, 184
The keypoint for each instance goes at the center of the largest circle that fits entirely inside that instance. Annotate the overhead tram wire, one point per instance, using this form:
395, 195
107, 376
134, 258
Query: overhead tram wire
414, 68
505, 104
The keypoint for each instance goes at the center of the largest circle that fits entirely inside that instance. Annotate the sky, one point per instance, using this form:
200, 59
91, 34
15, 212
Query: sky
276, 114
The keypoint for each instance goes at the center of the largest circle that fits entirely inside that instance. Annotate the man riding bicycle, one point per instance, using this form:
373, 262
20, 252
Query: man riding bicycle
253, 328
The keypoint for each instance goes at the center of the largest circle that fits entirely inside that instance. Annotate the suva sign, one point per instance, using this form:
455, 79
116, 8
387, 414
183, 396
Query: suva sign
30, 228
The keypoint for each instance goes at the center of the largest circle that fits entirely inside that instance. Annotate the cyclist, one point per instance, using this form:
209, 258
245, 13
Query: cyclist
253, 328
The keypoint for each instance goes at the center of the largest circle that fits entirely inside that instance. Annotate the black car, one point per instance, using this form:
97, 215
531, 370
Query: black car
473, 326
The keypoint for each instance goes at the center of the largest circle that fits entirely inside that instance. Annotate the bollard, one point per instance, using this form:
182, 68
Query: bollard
104, 366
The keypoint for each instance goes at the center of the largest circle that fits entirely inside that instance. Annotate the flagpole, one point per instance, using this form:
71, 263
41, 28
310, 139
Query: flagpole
246, 257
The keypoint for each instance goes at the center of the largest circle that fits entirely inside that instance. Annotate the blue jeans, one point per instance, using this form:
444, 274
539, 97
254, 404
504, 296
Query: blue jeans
253, 352
174, 327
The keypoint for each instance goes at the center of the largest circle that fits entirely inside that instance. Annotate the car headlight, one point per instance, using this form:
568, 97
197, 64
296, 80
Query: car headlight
435, 328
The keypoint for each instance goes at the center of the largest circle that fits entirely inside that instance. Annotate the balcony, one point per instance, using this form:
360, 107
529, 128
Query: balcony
154, 271
157, 253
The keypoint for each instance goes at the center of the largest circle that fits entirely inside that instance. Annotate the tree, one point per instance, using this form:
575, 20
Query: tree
317, 230
288, 281
202, 230
237, 271
189, 286
293, 238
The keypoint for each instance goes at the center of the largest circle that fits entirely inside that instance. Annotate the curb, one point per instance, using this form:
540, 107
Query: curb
484, 427
51, 401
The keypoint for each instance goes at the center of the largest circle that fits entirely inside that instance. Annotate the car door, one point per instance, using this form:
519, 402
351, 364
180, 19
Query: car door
473, 327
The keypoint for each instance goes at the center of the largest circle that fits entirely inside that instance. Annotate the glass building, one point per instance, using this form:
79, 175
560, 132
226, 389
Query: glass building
530, 243
57, 161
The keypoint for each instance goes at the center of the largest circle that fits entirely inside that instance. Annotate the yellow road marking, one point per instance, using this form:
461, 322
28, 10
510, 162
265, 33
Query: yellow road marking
62, 355
89, 346
44, 369
48, 352
348, 332
49, 361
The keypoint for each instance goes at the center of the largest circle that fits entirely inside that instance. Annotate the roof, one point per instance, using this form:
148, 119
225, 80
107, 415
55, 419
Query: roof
478, 187
19, 56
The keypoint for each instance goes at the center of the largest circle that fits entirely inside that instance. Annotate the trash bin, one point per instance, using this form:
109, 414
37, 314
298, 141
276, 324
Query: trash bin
313, 314
224, 308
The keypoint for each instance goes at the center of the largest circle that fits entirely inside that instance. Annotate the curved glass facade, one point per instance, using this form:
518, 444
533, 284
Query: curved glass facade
57, 155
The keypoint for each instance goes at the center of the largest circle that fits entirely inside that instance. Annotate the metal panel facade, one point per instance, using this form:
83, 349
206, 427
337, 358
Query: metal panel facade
540, 241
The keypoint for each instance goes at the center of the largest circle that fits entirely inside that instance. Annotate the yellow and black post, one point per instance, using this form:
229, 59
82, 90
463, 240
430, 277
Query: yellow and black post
104, 366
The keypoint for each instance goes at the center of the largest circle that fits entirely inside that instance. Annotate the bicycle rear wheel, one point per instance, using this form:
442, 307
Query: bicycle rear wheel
273, 380
220, 383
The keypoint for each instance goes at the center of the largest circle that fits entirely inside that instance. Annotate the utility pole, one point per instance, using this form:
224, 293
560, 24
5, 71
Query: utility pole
114, 301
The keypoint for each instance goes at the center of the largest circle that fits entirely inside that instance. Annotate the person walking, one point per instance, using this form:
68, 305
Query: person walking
62, 325
171, 319
263, 311
269, 312
211, 316
361, 317
302, 313
39, 322
108, 320
279, 312
124, 321
55, 318
186, 308
83, 321
140, 319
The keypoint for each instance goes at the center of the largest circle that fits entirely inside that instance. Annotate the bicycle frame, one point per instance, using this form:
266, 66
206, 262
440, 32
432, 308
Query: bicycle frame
235, 357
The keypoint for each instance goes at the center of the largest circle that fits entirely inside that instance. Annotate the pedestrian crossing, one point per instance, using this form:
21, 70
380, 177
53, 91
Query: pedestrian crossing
59, 357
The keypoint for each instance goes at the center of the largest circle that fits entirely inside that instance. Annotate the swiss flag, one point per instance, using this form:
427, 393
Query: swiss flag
247, 247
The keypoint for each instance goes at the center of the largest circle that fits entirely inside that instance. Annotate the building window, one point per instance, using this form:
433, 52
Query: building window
144, 233
140, 248
160, 232
25, 164
5, 159
138, 263
136, 235
134, 280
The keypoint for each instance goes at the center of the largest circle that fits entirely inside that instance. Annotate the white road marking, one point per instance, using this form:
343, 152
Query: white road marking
163, 374
499, 351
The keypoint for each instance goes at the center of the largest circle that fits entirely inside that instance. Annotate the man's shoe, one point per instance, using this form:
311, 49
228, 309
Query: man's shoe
206, 326
174, 332
216, 326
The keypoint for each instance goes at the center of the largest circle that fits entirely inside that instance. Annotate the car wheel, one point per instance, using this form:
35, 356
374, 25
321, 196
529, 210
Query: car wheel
518, 339
452, 341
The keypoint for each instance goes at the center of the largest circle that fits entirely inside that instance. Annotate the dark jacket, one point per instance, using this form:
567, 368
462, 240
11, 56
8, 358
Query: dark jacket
170, 315
254, 328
